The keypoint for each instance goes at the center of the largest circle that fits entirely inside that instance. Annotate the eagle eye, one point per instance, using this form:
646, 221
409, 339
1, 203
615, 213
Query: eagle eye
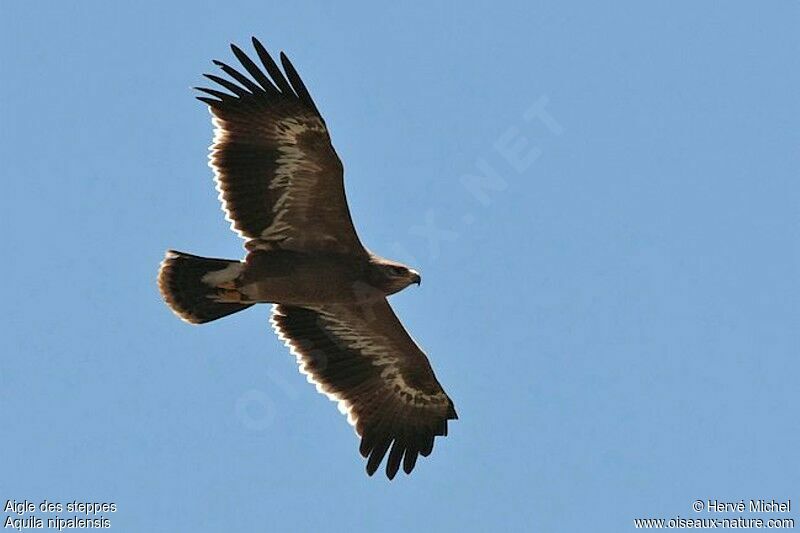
397, 270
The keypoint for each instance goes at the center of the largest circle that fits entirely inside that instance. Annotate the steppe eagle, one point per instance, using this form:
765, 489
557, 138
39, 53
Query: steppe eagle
281, 186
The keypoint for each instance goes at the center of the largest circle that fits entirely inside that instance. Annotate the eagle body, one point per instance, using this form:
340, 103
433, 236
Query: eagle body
299, 278
305, 279
281, 185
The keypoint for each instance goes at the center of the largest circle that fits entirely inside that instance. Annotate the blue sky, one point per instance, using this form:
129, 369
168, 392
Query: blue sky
613, 307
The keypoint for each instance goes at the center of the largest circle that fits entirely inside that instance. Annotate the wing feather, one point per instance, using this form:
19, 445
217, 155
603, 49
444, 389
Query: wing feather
271, 66
241, 78
251, 67
297, 83
280, 181
232, 87
361, 356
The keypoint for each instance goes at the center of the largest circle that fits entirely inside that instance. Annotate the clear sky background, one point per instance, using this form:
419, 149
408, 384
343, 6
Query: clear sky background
614, 310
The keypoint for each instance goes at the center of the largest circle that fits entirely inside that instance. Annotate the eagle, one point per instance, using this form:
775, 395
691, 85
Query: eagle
281, 185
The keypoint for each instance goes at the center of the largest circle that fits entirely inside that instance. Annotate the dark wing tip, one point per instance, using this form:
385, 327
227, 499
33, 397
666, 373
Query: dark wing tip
297, 84
237, 51
238, 76
377, 455
278, 77
253, 69
451, 411
427, 445
410, 459
216, 94
403, 448
270, 79
232, 87
395, 456
366, 446
209, 101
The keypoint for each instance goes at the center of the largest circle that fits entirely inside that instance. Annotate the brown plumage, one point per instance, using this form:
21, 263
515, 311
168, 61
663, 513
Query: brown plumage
281, 187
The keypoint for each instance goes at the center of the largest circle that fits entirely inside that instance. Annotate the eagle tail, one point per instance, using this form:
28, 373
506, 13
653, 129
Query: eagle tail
200, 289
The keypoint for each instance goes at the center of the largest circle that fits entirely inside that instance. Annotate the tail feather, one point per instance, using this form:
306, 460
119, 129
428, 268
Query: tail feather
190, 286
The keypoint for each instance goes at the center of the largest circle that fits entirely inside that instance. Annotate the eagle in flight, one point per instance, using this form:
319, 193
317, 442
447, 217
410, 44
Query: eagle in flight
282, 189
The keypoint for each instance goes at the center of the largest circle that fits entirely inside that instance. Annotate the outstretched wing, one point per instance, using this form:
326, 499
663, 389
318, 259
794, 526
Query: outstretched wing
279, 178
362, 357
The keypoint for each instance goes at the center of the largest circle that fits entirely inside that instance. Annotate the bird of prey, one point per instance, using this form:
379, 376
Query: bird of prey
282, 189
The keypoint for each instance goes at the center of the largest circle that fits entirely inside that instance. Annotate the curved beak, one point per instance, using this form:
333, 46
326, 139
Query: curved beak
415, 278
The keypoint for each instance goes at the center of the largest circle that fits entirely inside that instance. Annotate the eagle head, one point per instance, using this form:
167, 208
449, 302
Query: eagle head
391, 276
